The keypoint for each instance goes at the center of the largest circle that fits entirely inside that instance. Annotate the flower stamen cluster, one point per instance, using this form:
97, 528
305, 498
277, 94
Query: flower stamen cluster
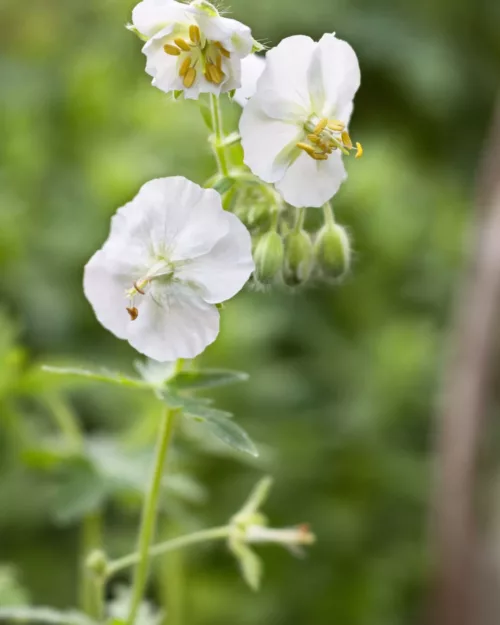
325, 136
198, 55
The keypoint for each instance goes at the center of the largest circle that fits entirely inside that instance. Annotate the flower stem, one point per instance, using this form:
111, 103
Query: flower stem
215, 533
328, 214
299, 221
149, 514
219, 147
91, 590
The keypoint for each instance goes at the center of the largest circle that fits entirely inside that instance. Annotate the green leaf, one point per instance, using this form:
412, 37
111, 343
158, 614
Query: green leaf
223, 185
195, 406
250, 564
207, 378
81, 491
48, 456
29, 614
178, 93
229, 432
102, 375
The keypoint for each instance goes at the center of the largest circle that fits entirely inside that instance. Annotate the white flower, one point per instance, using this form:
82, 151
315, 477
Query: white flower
190, 47
252, 67
172, 254
294, 128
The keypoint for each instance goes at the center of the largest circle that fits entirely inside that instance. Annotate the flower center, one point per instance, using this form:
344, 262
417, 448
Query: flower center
326, 135
197, 57
161, 269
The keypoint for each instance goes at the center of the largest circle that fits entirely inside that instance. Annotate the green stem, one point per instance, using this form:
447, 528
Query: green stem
149, 514
299, 221
66, 420
92, 591
328, 214
219, 147
215, 533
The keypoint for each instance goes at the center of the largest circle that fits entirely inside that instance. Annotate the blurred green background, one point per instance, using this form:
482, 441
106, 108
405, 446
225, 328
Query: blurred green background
343, 380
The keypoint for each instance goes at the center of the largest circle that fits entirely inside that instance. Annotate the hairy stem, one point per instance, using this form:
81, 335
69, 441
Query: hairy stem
328, 214
219, 147
215, 533
149, 514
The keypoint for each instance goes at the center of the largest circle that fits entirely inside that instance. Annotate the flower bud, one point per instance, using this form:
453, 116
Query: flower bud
298, 258
268, 257
332, 251
97, 563
259, 216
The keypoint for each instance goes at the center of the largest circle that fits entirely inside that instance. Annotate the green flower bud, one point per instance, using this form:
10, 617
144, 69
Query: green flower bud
259, 216
268, 257
97, 563
332, 251
298, 258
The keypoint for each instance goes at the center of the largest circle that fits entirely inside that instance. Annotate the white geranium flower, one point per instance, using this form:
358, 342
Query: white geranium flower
172, 254
190, 47
294, 129
252, 67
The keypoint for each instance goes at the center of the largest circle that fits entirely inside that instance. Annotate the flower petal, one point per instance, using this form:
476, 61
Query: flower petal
338, 65
251, 70
173, 322
222, 272
266, 142
312, 183
151, 16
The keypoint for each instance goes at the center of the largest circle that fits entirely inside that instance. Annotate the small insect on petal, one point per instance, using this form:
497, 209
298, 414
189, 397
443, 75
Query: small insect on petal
359, 150
320, 126
223, 50
346, 140
133, 312
189, 78
172, 50
194, 33
183, 70
138, 289
183, 45
306, 147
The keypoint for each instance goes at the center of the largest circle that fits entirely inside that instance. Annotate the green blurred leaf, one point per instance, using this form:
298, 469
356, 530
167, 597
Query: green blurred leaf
81, 491
103, 375
250, 564
227, 431
206, 378
30, 614
206, 112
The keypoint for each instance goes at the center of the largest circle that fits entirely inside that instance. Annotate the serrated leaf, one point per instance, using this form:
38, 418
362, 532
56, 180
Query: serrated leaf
223, 185
34, 614
102, 375
206, 378
250, 564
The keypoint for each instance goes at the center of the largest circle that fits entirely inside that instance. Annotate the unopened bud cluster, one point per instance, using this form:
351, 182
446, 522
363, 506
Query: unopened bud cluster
298, 257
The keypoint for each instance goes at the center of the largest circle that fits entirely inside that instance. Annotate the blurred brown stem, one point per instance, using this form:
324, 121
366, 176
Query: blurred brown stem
465, 398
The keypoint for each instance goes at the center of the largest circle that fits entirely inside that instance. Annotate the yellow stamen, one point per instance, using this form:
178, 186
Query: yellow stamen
183, 70
359, 150
183, 45
317, 156
194, 33
215, 73
218, 62
313, 138
207, 75
172, 50
133, 312
223, 50
306, 147
346, 140
320, 126
189, 78
336, 125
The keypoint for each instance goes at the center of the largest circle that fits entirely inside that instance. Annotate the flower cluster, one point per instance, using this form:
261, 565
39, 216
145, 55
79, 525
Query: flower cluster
177, 250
